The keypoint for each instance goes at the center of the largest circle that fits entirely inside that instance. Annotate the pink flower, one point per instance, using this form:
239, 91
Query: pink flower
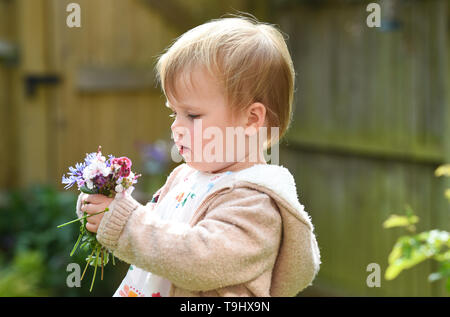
124, 163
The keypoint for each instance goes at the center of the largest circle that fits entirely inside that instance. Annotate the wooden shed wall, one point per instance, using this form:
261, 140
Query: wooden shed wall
371, 118
371, 124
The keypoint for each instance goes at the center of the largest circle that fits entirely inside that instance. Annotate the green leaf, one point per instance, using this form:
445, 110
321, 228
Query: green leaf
447, 193
443, 170
409, 251
443, 257
86, 190
400, 221
392, 272
396, 252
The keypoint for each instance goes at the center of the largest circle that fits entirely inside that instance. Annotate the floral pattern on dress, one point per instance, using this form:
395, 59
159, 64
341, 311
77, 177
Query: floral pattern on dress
130, 291
180, 200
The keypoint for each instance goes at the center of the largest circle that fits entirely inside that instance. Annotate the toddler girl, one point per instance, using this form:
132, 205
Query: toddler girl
225, 223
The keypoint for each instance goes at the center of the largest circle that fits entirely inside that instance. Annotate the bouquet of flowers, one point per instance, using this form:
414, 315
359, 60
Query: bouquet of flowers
98, 175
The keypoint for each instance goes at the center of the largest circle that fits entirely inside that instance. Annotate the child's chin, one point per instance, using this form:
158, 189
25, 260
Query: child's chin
205, 167
197, 165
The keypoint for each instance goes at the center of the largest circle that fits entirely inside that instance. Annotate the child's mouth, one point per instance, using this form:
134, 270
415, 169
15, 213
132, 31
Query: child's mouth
183, 149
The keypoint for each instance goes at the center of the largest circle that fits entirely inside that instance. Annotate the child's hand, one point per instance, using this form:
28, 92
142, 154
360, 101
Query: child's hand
92, 204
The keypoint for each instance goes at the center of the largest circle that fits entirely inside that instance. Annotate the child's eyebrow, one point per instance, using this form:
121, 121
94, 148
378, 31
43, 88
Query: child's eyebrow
188, 107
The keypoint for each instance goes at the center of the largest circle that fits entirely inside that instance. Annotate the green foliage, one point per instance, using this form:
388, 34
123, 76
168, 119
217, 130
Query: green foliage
443, 170
24, 276
410, 250
408, 220
29, 229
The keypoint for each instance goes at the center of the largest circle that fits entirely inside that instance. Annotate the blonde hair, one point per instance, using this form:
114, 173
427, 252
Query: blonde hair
250, 59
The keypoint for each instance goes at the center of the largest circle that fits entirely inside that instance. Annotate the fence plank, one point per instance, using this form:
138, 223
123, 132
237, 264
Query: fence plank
92, 79
32, 124
368, 122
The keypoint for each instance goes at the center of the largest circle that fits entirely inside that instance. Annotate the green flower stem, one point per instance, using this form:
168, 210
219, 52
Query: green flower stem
102, 252
79, 219
95, 270
87, 264
76, 244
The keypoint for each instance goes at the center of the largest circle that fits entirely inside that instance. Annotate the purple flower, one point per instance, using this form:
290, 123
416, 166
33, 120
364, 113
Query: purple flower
156, 152
108, 162
75, 175
90, 157
155, 156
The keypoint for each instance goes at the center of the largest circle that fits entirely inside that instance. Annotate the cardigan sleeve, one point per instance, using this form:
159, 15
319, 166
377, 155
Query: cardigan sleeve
235, 242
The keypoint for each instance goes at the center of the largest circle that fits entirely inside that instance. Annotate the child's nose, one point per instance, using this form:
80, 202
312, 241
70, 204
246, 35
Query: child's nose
178, 132
174, 125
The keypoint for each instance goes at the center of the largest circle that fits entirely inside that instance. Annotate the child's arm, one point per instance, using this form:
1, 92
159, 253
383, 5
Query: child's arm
237, 240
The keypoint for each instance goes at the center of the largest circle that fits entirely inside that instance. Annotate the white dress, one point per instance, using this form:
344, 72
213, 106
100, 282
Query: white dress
178, 205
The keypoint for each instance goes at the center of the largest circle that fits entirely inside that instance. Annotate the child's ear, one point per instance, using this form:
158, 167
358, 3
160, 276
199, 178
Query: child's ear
256, 117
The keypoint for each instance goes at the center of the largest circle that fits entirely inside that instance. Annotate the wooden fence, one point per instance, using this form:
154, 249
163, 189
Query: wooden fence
371, 125
73, 89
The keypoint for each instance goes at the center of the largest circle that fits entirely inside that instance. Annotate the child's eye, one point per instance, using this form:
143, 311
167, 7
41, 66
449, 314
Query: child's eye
191, 116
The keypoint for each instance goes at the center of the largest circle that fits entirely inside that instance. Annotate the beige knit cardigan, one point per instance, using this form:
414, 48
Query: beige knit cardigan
249, 237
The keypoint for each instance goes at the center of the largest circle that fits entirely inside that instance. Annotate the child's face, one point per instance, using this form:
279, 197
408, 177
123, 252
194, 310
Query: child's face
201, 116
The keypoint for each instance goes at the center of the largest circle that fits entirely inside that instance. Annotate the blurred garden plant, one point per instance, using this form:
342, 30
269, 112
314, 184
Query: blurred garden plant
155, 164
24, 276
412, 249
33, 259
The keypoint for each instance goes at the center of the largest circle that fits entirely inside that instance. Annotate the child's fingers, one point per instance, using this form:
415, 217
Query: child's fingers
94, 199
91, 227
94, 219
86, 207
91, 208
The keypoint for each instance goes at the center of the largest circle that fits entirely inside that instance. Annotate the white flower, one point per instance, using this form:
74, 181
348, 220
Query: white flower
129, 190
119, 188
89, 184
96, 168
130, 177
106, 170
87, 173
